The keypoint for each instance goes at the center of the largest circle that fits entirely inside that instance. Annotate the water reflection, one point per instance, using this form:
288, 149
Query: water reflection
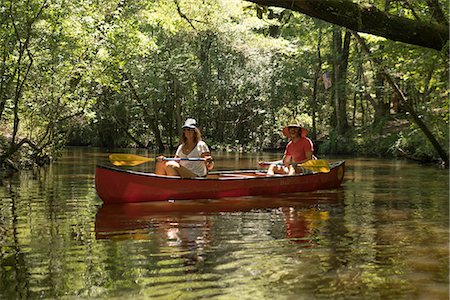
384, 235
188, 222
211, 243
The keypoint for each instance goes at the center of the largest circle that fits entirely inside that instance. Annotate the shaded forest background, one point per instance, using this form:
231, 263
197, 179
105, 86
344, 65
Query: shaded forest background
127, 73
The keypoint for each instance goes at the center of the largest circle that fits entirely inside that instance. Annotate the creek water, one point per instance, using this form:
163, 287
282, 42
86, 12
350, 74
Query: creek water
383, 235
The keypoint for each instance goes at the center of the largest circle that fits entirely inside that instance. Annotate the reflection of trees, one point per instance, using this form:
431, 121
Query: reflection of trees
13, 268
45, 251
377, 240
167, 250
378, 236
213, 245
186, 235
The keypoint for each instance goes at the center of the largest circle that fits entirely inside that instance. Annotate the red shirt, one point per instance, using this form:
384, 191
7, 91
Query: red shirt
299, 149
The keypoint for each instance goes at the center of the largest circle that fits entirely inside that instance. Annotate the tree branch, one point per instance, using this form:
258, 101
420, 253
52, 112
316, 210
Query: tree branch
369, 19
436, 12
408, 5
183, 16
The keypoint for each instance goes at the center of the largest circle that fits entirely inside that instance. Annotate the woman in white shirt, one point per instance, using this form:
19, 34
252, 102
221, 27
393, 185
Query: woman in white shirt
191, 146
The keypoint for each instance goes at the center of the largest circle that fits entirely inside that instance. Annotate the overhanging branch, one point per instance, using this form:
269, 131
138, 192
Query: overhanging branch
369, 19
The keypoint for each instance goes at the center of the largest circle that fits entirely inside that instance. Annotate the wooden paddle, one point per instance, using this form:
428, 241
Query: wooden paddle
132, 160
316, 165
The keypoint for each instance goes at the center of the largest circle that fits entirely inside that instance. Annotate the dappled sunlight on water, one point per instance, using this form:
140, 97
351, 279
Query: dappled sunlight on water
383, 235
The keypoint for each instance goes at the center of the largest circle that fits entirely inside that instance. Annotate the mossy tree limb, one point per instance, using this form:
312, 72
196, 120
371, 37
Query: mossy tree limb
369, 19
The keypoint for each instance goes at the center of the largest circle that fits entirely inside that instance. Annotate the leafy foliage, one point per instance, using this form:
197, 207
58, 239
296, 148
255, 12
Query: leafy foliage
121, 74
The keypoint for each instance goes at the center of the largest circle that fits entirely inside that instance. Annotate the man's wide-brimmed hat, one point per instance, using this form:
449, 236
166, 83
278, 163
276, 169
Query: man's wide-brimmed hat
285, 131
190, 123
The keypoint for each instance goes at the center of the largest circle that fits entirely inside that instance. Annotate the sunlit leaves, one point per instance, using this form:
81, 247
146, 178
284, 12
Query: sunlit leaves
141, 66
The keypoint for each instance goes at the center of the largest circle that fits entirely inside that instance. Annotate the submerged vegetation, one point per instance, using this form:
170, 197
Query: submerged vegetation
127, 74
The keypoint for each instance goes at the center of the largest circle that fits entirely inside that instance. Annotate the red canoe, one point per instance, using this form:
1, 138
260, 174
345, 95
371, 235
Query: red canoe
115, 185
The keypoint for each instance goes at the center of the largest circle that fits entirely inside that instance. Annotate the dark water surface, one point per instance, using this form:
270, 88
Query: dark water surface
383, 235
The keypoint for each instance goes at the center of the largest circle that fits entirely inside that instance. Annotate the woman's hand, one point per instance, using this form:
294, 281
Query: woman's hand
160, 158
209, 162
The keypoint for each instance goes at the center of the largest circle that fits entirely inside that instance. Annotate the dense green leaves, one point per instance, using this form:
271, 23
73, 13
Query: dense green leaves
127, 73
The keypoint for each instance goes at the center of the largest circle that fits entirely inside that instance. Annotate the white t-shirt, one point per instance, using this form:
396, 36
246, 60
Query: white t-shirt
197, 167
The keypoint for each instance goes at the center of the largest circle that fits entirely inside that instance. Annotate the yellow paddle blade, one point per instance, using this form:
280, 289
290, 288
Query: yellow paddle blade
132, 160
316, 165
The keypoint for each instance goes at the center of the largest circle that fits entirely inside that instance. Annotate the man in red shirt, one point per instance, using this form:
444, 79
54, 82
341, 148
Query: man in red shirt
299, 150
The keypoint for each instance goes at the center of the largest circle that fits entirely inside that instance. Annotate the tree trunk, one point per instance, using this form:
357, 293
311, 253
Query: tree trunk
151, 120
178, 106
171, 130
220, 122
203, 77
315, 87
439, 149
340, 62
5, 81
381, 107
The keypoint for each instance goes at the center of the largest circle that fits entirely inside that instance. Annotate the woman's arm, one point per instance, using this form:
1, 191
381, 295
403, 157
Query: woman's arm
287, 159
209, 160
265, 163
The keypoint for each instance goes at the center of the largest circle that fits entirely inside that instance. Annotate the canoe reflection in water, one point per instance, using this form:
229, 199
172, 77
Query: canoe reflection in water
301, 212
301, 224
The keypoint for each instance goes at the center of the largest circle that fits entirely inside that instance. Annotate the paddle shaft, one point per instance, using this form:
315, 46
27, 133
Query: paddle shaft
119, 159
317, 165
268, 163
183, 158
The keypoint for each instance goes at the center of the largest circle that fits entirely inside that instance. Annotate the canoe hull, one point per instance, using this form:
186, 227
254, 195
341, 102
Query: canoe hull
116, 185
